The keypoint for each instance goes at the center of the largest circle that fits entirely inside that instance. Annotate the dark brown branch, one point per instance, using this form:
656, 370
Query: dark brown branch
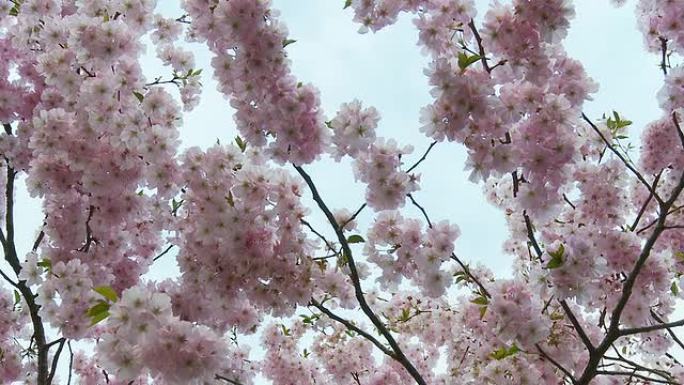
354, 275
669, 330
71, 362
555, 363
633, 374
680, 133
422, 158
228, 380
163, 253
465, 268
55, 359
532, 239
565, 198
663, 49
353, 328
613, 328
356, 214
329, 245
480, 47
578, 328
421, 210
648, 200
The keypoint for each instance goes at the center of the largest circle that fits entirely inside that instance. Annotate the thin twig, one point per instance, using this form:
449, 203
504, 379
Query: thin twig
421, 210
327, 243
578, 328
555, 363
356, 214
645, 205
422, 158
163, 253
55, 359
353, 328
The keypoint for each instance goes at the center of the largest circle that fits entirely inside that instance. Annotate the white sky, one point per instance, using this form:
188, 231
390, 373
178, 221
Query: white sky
385, 70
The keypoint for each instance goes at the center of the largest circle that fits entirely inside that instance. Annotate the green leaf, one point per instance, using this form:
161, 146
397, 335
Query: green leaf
175, 205
556, 258
138, 95
481, 300
230, 199
501, 353
355, 239
483, 310
674, 288
17, 298
241, 143
287, 42
107, 292
46, 264
679, 255
347, 4
14, 11
98, 312
464, 60
286, 331
197, 72
405, 315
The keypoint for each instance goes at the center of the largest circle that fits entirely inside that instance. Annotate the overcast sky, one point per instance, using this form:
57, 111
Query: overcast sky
385, 70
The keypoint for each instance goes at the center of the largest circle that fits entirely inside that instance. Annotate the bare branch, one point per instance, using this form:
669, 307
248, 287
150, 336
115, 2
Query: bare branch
353, 328
422, 158
163, 253
555, 363
354, 275
578, 328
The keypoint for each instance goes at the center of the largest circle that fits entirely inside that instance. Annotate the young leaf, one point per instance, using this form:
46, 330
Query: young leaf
556, 258
674, 288
107, 292
464, 60
287, 42
139, 96
347, 4
481, 300
242, 145
45, 264
501, 353
98, 312
17, 298
355, 239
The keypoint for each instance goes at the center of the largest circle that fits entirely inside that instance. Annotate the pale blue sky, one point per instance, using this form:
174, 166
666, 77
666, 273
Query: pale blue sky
385, 70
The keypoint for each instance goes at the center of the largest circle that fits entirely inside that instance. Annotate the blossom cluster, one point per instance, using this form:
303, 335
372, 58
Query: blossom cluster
251, 66
141, 325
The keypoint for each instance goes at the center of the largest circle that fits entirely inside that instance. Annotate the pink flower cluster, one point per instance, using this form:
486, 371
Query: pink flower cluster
402, 250
661, 20
353, 129
11, 322
141, 326
241, 240
379, 168
251, 66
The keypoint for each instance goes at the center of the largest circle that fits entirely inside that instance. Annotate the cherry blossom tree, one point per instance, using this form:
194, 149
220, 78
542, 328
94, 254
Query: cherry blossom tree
596, 239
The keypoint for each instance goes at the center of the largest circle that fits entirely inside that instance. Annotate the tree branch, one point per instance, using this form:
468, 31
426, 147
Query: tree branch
358, 291
555, 363
353, 327
422, 158
578, 328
